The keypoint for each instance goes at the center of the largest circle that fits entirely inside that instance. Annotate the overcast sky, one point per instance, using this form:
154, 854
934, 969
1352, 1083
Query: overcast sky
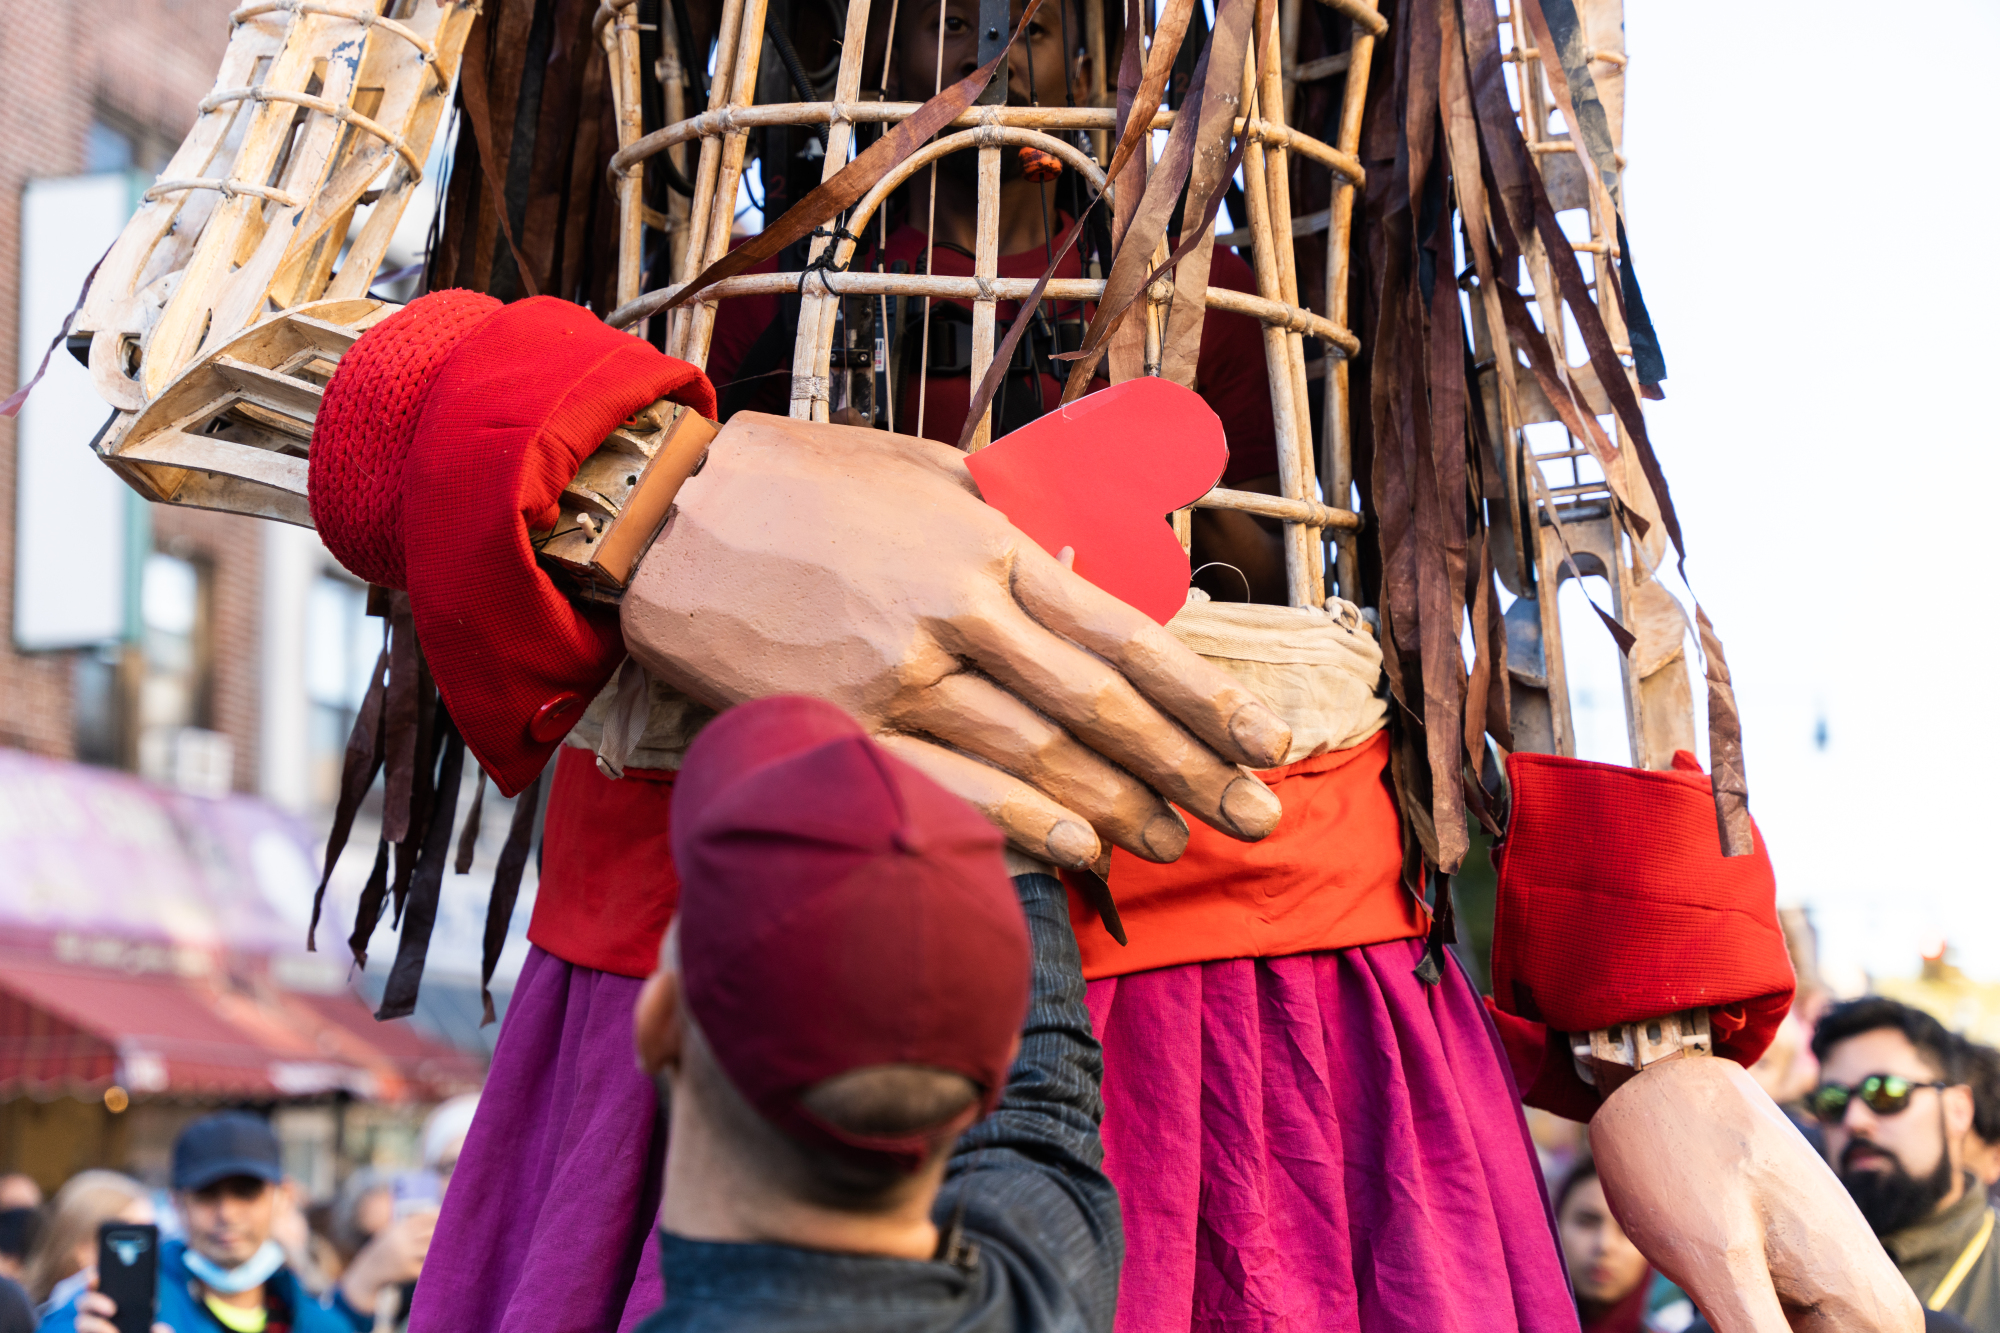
1811, 198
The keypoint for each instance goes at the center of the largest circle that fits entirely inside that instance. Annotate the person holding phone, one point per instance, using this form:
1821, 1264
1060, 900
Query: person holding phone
230, 1274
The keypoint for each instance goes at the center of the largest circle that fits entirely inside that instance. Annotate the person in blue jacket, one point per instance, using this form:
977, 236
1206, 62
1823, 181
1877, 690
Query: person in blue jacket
229, 1275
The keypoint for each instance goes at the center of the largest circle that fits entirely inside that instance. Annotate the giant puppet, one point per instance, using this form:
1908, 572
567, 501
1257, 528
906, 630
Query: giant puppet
1312, 1119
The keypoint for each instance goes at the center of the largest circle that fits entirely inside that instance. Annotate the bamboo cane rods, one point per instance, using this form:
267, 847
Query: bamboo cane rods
673, 83
1338, 426
1274, 313
621, 49
1288, 37
708, 168
889, 284
985, 267
743, 87
1277, 347
1366, 19
1093, 38
1278, 179
1309, 512
819, 310
725, 120
1323, 68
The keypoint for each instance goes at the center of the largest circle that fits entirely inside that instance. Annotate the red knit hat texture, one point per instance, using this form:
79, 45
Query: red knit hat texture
449, 430
1615, 904
840, 911
354, 470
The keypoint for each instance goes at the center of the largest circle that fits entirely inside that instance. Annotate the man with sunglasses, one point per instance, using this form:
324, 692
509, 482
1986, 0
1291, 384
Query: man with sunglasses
1897, 1109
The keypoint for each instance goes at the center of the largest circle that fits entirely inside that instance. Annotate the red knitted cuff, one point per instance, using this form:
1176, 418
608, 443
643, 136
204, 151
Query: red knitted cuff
450, 428
361, 438
516, 408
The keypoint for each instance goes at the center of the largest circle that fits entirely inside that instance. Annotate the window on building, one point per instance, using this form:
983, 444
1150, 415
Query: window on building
342, 644
175, 670
100, 706
108, 148
117, 142
173, 641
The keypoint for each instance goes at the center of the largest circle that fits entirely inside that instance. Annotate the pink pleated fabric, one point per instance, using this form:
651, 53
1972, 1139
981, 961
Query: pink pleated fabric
548, 1223
1321, 1142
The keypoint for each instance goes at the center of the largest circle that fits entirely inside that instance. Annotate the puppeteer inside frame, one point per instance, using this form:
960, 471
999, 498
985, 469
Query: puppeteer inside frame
1427, 196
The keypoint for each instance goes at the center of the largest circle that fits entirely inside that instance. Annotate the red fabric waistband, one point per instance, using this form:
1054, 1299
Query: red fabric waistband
608, 887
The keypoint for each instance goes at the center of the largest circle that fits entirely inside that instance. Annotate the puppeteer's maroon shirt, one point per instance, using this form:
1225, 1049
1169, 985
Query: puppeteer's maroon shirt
1229, 372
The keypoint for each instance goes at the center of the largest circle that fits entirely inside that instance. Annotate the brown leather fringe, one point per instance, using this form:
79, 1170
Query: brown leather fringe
507, 888
1447, 163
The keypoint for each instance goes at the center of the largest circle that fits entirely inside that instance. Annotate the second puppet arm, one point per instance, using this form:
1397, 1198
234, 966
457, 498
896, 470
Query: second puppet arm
1722, 1194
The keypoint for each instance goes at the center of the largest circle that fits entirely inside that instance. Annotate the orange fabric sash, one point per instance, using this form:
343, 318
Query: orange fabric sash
1328, 878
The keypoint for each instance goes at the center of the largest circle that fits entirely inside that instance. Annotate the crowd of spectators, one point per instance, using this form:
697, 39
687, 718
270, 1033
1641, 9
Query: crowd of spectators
231, 1214
1906, 1114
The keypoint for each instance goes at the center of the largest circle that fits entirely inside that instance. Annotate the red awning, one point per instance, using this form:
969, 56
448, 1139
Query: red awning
69, 1030
440, 1069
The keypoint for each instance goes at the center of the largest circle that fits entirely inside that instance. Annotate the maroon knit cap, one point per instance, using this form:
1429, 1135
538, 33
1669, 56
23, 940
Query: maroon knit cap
840, 911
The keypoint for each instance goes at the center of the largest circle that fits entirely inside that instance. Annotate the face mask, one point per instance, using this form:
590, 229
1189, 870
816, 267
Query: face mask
252, 1272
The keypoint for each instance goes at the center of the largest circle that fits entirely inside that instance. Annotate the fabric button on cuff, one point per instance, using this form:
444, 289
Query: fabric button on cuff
553, 720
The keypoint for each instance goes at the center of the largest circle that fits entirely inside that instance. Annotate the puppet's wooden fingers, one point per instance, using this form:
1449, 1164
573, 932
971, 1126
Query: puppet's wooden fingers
973, 714
1035, 825
1099, 706
1207, 699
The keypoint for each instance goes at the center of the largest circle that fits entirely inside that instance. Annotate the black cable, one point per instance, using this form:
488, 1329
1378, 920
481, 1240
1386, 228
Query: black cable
1042, 187
797, 70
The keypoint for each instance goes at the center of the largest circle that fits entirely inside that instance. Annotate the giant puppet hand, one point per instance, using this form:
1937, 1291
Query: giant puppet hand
863, 568
813, 559
1723, 1195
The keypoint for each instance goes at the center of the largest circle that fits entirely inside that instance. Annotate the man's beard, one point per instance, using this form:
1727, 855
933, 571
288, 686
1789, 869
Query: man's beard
1889, 1197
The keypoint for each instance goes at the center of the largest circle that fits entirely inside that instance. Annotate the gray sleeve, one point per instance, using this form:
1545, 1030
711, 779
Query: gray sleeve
1029, 1178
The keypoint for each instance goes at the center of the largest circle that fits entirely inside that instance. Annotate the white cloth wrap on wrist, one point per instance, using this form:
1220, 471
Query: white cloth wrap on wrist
672, 722
1319, 670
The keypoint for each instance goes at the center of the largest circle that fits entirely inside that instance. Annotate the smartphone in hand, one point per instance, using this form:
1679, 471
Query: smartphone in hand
128, 1271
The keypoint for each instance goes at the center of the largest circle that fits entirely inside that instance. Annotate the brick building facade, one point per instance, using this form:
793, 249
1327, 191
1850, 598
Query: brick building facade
85, 83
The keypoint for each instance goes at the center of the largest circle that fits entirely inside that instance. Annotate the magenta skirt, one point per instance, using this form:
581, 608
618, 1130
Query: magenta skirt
1321, 1142
548, 1226
1309, 1143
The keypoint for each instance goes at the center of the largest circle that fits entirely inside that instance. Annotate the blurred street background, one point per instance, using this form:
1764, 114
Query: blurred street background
176, 689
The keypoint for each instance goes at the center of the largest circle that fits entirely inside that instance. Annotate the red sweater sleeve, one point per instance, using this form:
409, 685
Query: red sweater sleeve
474, 416
1615, 905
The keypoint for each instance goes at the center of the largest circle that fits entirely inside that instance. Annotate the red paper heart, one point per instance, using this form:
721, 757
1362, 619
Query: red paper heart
1101, 474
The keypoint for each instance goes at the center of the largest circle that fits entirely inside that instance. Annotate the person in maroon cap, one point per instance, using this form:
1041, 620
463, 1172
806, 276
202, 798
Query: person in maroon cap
837, 1007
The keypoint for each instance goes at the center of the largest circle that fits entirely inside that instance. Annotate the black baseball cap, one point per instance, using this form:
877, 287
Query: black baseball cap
228, 1143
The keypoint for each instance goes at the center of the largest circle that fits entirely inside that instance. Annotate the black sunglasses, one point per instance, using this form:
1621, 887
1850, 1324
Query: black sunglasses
1884, 1094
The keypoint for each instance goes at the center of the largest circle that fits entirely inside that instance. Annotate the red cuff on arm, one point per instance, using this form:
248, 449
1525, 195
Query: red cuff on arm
1615, 904
449, 429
